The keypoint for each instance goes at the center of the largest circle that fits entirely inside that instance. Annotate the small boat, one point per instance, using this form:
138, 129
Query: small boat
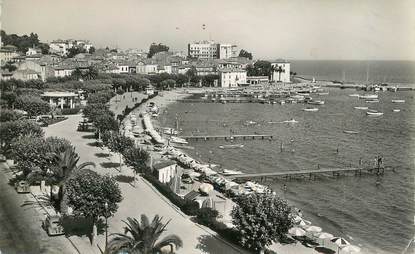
374, 113
282, 102
178, 140
228, 172
354, 95
398, 101
170, 131
372, 101
362, 108
231, 146
323, 93
290, 121
368, 96
310, 109
316, 102
247, 123
396, 110
350, 132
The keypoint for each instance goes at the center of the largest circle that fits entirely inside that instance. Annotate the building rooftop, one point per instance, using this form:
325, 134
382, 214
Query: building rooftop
163, 164
58, 94
231, 70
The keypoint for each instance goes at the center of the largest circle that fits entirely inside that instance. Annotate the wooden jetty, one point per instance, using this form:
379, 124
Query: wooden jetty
228, 137
311, 174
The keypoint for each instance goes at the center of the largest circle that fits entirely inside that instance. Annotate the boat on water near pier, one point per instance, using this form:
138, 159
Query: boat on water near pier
231, 146
354, 95
228, 172
290, 121
374, 113
178, 140
398, 101
170, 131
362, 108
316, 102
396, 110
372, 101
310, 109
350, 132
369, 96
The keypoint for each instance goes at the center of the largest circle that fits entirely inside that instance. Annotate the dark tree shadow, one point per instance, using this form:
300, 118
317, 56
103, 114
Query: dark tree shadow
124, 178
89, 136
81, 226
324, 250
102, 155
96, 143
110, 165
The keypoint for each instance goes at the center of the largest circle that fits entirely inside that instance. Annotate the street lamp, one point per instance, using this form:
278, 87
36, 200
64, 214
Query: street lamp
106, 224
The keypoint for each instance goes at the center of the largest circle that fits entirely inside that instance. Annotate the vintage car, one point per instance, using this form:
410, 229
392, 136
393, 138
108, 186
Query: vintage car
22, 187
52, 225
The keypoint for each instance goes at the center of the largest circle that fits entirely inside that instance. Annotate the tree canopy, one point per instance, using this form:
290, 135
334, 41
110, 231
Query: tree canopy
261, 219
14, 129
260, 68
136, 158
75, 51
244, 53
23, 42
33, 105
155, 48
87, 193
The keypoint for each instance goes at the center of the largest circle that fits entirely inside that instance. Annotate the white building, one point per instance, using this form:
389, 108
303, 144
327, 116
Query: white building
33, 51
203, 50
281, 71
7, 53
144, 68
63, 71
165, 171
227, 51
232, 77
60, 99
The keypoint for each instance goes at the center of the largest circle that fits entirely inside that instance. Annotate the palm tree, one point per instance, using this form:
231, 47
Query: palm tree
143, 237
65, 164
280, 70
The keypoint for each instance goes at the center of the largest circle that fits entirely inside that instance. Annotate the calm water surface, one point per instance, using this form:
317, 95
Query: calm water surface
377, 217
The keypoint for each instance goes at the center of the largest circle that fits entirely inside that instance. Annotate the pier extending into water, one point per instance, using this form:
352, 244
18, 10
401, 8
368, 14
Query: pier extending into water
311, 174
229, 137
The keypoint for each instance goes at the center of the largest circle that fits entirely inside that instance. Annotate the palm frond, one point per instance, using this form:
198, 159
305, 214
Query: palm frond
168, 240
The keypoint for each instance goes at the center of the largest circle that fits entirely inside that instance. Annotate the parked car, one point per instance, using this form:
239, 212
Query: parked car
52, 225
22, 187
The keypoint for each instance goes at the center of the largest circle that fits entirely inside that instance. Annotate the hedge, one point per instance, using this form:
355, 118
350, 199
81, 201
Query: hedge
70, 111
189, 207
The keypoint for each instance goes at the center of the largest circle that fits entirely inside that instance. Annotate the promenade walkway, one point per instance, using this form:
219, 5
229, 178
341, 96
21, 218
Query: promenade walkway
142, 199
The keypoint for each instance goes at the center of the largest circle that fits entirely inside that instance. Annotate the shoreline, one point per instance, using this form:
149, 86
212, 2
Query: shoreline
162, 103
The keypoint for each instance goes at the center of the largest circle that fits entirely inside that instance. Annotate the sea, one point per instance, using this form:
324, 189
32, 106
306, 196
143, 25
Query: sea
373, 212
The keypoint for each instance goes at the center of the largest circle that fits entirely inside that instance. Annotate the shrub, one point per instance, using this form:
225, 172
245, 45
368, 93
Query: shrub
14, 129
70, 111
9, 115
33, 105
206, 216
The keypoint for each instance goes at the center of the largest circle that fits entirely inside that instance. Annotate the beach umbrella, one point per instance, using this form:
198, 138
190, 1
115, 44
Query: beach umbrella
205, 188
341, 242
313, 229
296, 231
351, 249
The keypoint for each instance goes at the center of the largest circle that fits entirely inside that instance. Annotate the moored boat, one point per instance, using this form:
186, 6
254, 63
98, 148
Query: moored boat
228, 172
231, 146
310, 109
350, 132
354, 95
369, 96
316, 102
290, 121
396, 110
178, 140
361, 108
372, 101
398, 101
374, 113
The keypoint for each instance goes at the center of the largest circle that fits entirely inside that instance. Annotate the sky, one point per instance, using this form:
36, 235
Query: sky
290, 29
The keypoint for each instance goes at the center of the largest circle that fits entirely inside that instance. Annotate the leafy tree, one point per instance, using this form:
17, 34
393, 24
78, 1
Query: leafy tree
32, 154
278, 69
10, 98
64, 165
136, 158
167, 84
91, 50
100, 97
10, 67
58, 145
181, 79
105, 122
209, 80
207, 216
260, 68
33, 105
75, 51
77, 73
91, 73
23, 43
87, 192
261, 219
14, 129
9, 115
119, 143
244, 53
155, 48
44, 47
143, 237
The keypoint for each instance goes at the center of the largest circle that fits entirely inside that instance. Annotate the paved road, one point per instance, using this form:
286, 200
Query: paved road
20, 227
141, 199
